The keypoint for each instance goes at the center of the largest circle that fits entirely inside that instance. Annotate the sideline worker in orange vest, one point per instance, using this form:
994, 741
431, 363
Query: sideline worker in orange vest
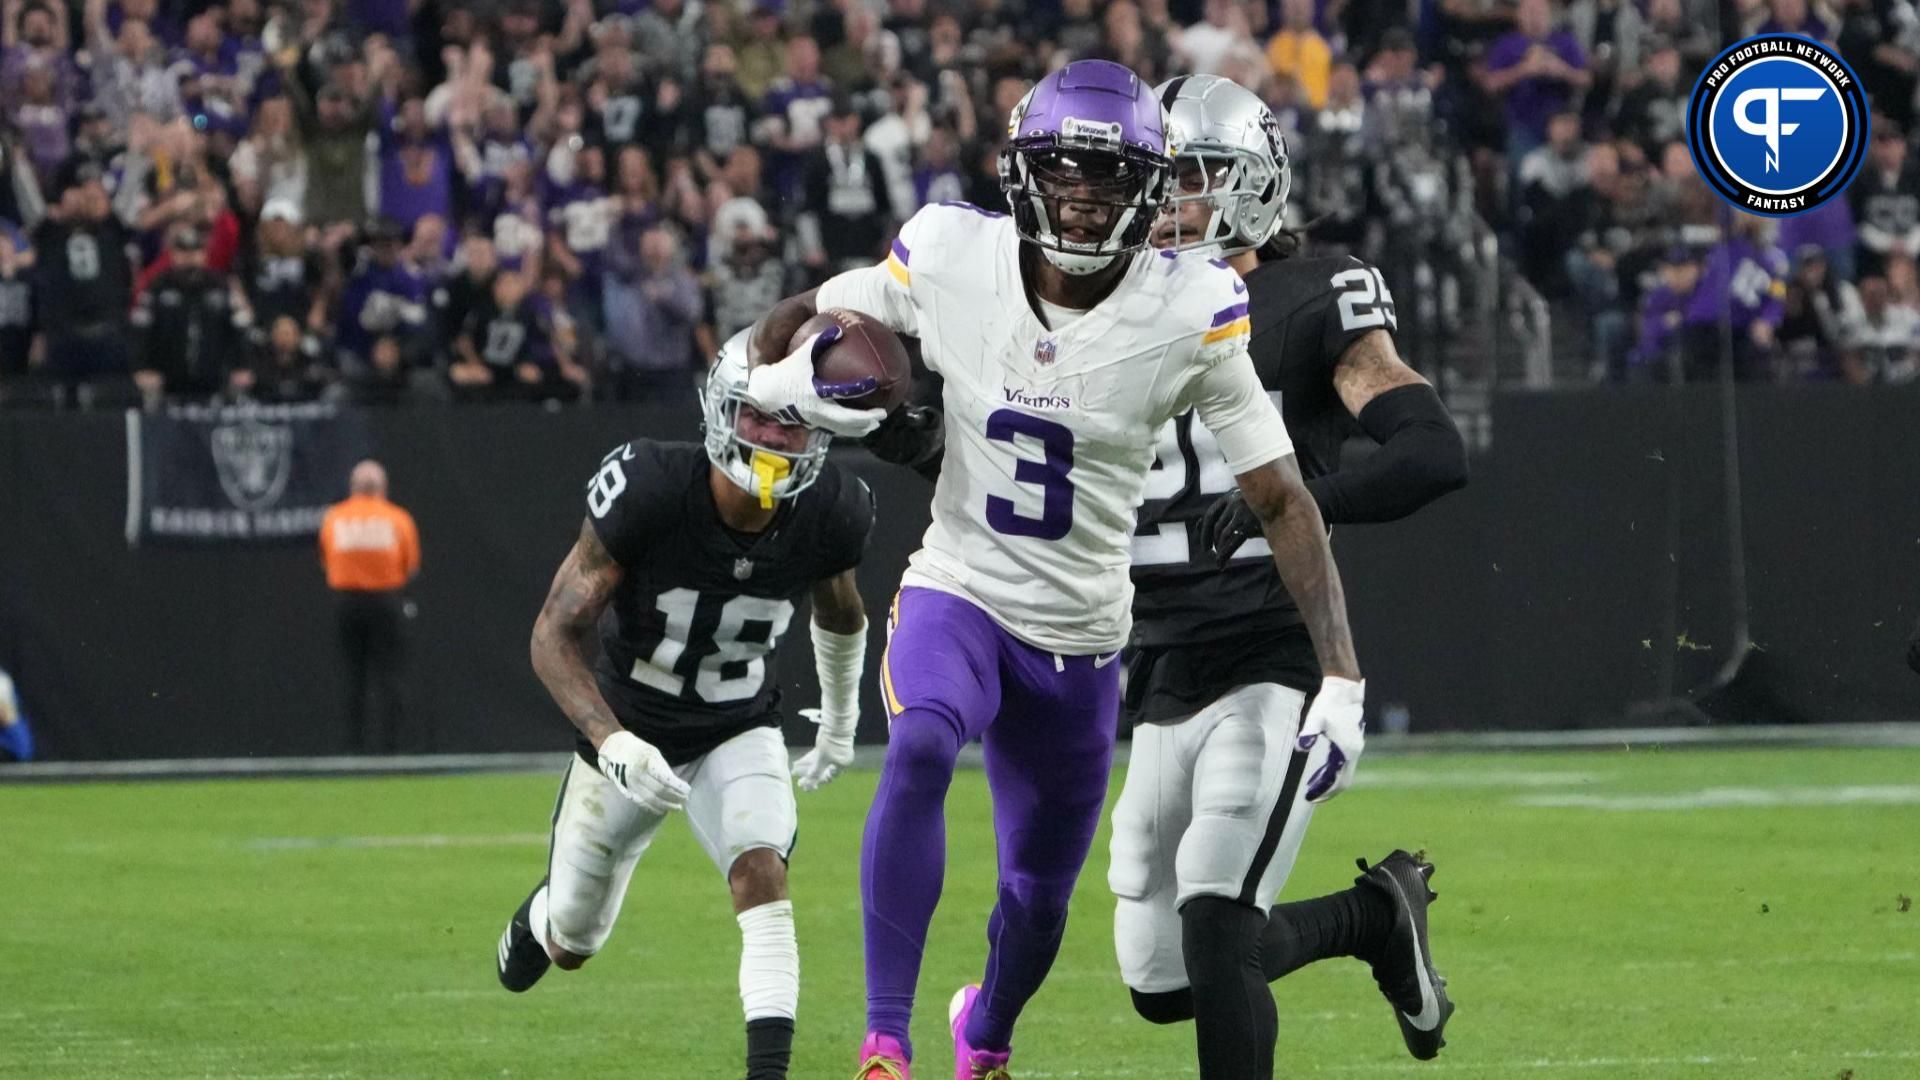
371, 549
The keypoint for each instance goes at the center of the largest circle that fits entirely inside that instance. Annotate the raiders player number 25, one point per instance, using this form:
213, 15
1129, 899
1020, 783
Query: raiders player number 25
655, 641
1218, 793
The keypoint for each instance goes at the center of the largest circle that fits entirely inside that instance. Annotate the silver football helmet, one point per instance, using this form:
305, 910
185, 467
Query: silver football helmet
763, 472
1231, 159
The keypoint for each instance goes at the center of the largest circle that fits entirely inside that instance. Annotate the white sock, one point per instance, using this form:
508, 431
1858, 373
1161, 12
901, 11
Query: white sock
769, 961
537, 916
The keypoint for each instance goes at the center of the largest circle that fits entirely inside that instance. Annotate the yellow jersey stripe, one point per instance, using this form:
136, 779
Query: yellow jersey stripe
1233, 329
899, 270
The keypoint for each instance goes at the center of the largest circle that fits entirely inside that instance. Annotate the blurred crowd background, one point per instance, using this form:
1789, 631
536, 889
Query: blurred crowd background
385, 201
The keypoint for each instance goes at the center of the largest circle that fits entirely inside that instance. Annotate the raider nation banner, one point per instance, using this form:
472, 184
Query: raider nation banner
237, 473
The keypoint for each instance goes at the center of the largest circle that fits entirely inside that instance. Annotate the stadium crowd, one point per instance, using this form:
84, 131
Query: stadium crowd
392, 200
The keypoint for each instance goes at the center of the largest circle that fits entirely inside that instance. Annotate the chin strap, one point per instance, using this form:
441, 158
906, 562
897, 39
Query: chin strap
1083, 270
768, 470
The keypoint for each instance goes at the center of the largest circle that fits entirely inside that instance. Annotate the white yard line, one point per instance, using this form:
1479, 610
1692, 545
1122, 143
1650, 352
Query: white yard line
1378, 747
1399, 775
1525, 1065
1549, 1064
1736, 798
427, 840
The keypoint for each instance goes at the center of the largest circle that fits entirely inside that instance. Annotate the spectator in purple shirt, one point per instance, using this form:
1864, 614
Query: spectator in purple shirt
42, 121
241, 41
416, 166
1743, 286
209, 54
34, 34
938, 177
1663, 317
580, 220
1537, 70
384, 297
792, 113
501, 145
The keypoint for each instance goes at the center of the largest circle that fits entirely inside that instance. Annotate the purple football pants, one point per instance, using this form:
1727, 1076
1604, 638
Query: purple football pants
1047, 725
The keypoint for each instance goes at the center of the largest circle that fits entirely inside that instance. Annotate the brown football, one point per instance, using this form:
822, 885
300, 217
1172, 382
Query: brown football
865, 349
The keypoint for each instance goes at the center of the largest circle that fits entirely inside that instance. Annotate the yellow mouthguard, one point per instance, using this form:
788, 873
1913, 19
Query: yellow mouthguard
768, 470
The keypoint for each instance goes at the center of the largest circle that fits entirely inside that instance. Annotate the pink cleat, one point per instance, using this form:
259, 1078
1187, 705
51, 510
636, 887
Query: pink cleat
883, 1058
968, 1063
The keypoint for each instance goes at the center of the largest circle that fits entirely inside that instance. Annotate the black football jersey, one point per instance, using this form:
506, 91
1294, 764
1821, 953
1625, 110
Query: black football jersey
85, 278
1305, 313
686, 642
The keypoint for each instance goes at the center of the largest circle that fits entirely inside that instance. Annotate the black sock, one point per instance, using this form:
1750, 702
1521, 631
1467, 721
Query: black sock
1234, 1019
769, 1048
1352, 922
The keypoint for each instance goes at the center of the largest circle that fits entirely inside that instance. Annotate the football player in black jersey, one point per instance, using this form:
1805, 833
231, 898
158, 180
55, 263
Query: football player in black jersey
1217, 794
654, 641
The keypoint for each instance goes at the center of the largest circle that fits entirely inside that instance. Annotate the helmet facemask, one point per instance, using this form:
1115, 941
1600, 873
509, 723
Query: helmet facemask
770, 474
1226, 200
1082, 206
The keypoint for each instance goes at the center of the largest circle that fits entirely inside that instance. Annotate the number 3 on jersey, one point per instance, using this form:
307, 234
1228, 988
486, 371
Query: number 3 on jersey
1056, 508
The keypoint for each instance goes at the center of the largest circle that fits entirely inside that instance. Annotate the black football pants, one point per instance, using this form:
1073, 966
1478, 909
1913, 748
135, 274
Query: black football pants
373, 643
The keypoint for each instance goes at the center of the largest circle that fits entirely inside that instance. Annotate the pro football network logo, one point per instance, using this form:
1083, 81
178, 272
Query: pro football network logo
1778, 124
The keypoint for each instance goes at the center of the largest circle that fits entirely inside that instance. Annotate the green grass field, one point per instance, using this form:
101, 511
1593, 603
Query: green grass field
1630, 914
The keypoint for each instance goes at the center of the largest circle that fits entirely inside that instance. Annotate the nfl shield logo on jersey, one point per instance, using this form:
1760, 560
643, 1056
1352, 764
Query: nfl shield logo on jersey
1044, 350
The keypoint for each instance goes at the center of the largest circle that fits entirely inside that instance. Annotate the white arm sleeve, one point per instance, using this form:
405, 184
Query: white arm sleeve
838, 659
1244, 420
872, 290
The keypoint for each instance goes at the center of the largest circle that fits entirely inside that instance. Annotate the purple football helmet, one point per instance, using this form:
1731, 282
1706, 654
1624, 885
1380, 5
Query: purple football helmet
1087, 164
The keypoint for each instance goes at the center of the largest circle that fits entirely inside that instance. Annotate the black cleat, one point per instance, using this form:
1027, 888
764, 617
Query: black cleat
1405, 968
522, 958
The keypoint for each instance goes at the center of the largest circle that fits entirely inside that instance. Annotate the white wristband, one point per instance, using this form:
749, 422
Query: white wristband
839, 659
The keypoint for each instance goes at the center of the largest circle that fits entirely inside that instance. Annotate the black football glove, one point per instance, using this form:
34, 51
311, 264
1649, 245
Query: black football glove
1227, 524
913, 435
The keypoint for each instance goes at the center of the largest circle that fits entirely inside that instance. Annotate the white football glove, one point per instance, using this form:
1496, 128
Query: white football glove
790, 391
832, 751
1336, 715
641, 772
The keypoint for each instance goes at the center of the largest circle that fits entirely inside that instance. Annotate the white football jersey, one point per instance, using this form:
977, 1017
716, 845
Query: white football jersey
1050, 433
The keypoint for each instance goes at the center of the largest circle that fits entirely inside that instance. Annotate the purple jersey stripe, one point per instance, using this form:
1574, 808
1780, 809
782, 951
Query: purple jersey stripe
900, 250
1227, 315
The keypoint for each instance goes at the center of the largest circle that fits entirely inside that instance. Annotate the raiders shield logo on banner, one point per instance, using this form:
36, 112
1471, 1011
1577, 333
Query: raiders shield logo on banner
254, 461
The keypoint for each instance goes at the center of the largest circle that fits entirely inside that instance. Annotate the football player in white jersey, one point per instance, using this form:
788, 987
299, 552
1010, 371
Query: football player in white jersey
1064, 344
